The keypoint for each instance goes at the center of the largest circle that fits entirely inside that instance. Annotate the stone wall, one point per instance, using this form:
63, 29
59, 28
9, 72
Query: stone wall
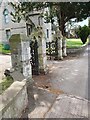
14, 100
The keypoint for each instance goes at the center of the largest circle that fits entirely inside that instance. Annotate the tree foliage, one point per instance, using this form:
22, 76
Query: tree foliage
64, 11
89, 22
23, 9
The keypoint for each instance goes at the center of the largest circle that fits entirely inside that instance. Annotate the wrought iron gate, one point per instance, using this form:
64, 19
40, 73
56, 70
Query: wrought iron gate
52, 49
34, 57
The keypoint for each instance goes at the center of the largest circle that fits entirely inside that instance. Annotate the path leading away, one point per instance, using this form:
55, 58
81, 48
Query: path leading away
64, 87
63, 92
69, 76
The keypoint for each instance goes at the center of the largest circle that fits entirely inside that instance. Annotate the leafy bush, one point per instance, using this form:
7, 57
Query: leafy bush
83, 33
6, 47
3, 51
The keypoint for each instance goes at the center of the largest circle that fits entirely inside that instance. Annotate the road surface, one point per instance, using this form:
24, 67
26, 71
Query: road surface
63, 92
69, 76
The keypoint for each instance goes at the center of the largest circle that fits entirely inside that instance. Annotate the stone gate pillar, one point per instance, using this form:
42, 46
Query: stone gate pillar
60, 48
20, 56
59, 37
26, 57
42, 52
64, 47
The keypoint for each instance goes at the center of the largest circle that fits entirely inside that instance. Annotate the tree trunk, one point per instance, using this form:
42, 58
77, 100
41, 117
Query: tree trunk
61, 23
62, 27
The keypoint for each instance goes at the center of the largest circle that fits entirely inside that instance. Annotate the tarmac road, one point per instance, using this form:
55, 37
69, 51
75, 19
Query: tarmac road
71, 76
75, 81
66, 82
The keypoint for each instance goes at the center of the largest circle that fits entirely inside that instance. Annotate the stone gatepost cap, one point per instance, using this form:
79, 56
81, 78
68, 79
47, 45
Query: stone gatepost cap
18, 37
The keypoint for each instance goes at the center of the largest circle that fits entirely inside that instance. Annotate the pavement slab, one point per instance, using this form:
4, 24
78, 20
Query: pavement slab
40, 101
68, 106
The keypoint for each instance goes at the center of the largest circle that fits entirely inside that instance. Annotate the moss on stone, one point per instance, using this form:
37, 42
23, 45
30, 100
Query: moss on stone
7, 81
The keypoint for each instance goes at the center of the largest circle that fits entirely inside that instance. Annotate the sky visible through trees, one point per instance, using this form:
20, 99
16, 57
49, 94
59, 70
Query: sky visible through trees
84, 22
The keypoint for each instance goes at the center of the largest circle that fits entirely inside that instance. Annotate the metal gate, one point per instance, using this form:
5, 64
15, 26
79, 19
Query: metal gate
52, 49
34, 57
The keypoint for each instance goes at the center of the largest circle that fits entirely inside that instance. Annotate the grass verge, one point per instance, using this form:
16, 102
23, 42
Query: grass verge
75, 43
3, 51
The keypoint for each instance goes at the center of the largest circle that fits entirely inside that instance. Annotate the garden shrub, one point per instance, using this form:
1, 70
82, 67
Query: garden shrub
83, 33
6, 47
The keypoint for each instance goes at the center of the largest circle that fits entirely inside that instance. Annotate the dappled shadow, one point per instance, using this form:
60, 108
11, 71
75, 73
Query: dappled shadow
45, 88
39, 101
31, 101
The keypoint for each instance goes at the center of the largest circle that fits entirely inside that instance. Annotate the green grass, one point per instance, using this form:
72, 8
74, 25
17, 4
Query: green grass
7, 81
74, 43
3, 51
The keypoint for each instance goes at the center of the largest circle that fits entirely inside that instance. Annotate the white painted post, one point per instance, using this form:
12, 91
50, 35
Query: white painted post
60, 48
64, 47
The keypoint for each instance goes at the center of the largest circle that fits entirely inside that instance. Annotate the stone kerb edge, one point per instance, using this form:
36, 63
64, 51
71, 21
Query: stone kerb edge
76, 50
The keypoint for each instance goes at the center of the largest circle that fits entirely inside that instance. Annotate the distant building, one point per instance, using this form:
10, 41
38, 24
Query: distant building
8, 27
71, 33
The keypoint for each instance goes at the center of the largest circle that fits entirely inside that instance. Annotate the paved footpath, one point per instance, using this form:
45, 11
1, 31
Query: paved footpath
68, 106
